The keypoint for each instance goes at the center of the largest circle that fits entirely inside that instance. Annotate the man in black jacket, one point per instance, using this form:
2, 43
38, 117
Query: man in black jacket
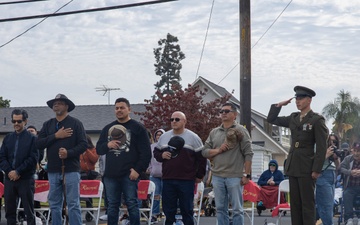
127, 147
18, 158
64, 139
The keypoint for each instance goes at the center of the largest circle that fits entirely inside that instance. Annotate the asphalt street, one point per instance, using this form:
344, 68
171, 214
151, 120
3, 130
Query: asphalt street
264, 219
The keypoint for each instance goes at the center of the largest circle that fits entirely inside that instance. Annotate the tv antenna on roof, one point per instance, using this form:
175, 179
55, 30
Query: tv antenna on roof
107, 90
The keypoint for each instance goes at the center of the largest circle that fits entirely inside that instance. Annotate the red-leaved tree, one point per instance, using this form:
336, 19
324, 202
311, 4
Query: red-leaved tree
201, 116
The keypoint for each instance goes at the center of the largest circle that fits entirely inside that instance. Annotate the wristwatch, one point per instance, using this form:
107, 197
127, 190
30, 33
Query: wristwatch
247, 175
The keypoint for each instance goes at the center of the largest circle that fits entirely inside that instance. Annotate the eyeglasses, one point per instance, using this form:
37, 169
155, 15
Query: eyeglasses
16, 121
272, 165
176, 119
226, 111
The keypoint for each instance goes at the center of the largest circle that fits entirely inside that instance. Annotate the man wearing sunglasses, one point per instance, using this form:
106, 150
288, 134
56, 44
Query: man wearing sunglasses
18, 158
307, 153
232, 159
180, 171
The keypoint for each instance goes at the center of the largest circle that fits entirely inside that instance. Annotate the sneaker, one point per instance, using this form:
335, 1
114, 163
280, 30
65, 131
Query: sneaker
154, 220
103, 217
350, 222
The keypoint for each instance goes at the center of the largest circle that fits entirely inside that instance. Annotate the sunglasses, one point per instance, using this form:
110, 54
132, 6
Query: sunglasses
176, 119
226, 111
272, 165
16, 121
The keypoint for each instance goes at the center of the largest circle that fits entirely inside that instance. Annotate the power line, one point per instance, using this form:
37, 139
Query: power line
259, 38
207, 30
84, 11
45, 16
24, 1
272, 24
33, 26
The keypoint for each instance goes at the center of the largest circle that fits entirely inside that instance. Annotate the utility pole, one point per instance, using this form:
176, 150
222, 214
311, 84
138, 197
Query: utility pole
245, 64
106, 89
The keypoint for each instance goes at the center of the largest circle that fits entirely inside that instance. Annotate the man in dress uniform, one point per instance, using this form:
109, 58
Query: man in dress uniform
307, 153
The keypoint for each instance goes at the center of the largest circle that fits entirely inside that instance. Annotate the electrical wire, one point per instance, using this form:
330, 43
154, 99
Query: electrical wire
272, 24
85, 11
259, 38
45, 16
207, 30
24, 1
34, 25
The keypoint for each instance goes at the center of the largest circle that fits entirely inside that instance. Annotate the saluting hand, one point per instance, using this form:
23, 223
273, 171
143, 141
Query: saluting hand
283, 103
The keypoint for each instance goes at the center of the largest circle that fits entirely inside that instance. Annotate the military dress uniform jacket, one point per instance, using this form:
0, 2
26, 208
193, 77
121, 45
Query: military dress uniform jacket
308, 141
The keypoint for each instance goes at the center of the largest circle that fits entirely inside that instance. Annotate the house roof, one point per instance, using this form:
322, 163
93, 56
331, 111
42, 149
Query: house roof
93, 117
220, 91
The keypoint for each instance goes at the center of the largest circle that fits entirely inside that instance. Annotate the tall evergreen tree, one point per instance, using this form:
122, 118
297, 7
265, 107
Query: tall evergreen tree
168, 56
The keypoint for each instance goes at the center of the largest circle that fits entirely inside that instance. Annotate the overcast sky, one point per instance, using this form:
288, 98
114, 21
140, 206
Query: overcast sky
313, 43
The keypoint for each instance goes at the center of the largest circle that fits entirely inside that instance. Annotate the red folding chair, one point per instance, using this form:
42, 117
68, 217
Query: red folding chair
92, 189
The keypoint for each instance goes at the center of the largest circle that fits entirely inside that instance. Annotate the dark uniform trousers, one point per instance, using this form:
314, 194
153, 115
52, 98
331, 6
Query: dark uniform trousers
302, 200
24, 189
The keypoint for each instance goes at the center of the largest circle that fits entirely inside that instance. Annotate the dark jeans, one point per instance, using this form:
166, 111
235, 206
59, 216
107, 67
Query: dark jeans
349, 194
114, 188
24, 189
182, 190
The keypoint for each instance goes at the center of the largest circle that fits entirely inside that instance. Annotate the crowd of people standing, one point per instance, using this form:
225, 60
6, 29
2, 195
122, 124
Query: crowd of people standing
175, 161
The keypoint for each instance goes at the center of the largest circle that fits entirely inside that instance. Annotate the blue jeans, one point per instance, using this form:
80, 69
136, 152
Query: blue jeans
325, 191
349, 194
114, 188
226, 189
56, 197
182, 190
158, 190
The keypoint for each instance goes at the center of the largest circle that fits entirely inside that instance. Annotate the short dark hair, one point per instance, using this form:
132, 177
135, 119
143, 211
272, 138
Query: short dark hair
233, 106
31, 126
123, 100
20, 112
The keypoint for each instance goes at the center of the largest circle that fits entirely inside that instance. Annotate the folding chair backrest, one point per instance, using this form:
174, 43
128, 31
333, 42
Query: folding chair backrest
1, 189
145, 188
42, 188
91, 188
283, 187
199, 195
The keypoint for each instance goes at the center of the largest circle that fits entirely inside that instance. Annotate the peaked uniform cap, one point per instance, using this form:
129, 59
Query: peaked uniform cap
304, 91
62, 97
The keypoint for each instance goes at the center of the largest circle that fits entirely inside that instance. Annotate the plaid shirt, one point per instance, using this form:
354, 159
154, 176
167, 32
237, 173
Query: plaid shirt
355, 181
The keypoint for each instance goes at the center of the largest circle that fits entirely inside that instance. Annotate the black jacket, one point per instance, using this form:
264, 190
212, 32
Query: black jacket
26, 155
75, 145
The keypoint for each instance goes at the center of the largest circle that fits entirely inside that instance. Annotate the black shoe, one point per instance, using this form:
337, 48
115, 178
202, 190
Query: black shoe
154, 220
